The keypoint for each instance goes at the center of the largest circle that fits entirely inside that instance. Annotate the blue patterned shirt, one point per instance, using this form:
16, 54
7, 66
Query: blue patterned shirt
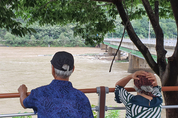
59, 100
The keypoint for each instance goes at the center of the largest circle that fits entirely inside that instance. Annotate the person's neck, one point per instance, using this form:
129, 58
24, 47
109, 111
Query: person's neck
145, 96
58, 78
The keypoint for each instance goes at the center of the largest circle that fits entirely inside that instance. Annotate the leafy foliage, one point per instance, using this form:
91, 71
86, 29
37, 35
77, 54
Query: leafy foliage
92, 19
112, 114
8, 18
46, 36
63, 35
108, 114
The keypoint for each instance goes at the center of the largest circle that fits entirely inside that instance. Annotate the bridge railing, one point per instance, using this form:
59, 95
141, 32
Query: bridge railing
167, 42
101, 108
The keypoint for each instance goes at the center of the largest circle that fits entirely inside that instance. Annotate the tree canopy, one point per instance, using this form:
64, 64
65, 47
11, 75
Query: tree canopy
93, 19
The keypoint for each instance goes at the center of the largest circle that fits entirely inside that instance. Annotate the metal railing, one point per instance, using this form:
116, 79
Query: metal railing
101, 108
167, 42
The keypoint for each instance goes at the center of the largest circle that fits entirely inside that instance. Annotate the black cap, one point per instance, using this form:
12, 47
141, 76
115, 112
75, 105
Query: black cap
63, 61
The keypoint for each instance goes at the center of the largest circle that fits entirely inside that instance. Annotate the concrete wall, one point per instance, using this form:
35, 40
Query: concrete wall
136, 64
104, 47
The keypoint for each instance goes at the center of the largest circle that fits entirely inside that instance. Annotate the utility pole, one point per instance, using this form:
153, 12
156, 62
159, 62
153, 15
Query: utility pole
149, 31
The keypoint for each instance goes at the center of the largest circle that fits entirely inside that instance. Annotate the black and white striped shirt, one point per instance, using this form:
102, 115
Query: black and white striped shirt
138, 106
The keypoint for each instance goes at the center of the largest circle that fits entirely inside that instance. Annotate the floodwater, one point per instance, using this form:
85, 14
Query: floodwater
31, 66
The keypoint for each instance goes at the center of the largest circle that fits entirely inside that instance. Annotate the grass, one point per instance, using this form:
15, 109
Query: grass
22, 116
108, 114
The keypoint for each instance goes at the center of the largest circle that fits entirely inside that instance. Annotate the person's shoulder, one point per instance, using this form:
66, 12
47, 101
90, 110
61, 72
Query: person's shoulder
79, 93
119, 88
40, 88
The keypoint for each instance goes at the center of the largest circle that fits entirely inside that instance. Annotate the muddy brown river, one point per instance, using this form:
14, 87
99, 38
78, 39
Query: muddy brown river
31, 66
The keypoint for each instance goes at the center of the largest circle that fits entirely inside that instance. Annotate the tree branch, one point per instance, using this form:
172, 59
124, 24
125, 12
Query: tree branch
170, 76
135, 39
174, 4
161, 52
174, 66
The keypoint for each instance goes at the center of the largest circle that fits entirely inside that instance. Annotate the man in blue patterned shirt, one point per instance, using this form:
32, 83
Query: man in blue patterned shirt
58, 99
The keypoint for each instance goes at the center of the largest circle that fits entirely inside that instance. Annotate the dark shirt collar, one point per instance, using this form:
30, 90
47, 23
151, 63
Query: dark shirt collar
61, 83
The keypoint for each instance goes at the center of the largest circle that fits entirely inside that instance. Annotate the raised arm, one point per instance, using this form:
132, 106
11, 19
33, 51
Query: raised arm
126, 79
23, 94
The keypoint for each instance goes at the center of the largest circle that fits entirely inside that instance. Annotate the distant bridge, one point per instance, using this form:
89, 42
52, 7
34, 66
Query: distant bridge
136, 59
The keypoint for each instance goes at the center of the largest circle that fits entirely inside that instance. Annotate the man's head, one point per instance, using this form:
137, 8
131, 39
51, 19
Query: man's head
63, 63
143, 85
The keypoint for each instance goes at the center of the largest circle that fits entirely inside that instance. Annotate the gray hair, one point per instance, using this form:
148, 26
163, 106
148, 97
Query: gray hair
63, 74
144, 88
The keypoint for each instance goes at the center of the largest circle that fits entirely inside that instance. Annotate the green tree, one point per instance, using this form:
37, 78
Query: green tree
8, 18
93, 19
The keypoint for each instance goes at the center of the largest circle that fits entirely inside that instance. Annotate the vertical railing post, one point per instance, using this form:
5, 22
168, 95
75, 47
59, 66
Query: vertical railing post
102, 100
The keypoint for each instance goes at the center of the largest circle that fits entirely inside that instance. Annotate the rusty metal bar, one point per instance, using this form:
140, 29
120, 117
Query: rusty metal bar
91, 90
164, 88
102, 102
101, 108
14, 95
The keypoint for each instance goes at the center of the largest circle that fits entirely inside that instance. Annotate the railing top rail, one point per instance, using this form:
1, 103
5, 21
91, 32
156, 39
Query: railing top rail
91, 90
167, 42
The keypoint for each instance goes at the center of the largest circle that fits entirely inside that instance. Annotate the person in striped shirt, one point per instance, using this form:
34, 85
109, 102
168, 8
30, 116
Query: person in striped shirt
148, 101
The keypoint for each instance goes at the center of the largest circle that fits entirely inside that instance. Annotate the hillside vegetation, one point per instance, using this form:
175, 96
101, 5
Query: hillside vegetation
62, 36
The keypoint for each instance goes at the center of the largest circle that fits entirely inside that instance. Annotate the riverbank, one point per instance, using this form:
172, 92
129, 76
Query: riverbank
2, 45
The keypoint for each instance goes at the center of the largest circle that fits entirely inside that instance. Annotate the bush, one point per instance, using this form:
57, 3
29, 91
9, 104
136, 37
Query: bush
108, 114
11, 40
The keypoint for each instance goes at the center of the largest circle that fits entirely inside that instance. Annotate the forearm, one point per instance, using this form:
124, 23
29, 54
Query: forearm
124, 81
22, 97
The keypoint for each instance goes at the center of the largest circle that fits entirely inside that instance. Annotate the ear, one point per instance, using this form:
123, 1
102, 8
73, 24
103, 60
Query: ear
73, 69
53, 71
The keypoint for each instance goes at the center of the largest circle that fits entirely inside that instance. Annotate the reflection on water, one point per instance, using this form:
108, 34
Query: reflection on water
25, 66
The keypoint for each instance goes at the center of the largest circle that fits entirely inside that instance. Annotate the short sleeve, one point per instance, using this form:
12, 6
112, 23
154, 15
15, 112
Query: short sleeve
30, 101
87, 110
121, 95
83, 106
